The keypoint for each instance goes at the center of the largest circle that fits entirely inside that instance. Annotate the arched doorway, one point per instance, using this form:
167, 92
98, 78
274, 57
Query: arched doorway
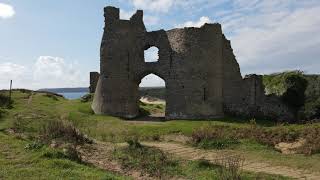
152, 97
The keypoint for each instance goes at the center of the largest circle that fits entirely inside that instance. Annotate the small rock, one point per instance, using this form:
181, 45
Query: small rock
290, 148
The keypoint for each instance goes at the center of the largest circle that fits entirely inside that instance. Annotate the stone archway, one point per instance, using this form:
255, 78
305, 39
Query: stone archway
202, 76
123, 66
152, 99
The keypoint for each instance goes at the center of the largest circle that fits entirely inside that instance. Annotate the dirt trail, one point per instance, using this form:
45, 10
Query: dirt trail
99, 154
190, 153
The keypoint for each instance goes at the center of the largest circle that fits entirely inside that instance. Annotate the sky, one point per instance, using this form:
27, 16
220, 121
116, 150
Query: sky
47, 44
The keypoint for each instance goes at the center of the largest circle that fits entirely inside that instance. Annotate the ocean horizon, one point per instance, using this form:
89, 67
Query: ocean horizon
73, 95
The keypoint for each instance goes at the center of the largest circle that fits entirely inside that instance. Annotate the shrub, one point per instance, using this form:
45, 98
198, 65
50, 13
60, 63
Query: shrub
301, 92
57, 129
151, 161
5, 101
208, 132
87, 98
312, 144
221, 137
230, 167
311, 110
72, 154
213, 137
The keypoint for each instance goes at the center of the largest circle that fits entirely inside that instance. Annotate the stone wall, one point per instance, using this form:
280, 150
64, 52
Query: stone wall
94, 78
255, 104
202, 76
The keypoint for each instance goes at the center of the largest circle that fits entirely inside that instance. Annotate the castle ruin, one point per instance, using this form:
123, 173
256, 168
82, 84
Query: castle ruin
202, 76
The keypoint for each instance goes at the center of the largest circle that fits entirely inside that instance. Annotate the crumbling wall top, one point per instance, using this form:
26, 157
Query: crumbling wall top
111, 13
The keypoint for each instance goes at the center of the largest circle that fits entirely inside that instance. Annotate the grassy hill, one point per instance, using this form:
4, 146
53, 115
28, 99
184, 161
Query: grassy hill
30, 130
157, 92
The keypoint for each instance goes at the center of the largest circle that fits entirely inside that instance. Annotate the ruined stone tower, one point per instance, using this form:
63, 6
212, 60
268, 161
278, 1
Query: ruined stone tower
202, 76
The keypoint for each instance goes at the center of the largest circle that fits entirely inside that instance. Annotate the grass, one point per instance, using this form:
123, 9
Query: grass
30, 116
219, 137
18, 162
155, 163
150, 161
152, 108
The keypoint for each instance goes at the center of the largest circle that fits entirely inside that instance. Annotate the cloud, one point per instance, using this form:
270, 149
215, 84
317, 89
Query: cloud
269, 36
266, 35
198, 23
46, 72
148, 20
151, 54
126, 14
10, 71
55, 72
162, 6
152, 80
6, 11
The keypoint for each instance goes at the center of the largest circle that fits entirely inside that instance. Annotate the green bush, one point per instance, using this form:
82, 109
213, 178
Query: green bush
311, 110
291, 87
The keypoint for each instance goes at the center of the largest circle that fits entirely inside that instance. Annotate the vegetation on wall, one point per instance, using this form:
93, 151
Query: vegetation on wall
300, 91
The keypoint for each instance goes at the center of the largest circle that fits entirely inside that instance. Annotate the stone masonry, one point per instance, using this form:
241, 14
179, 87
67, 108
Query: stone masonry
202, 76
94, 78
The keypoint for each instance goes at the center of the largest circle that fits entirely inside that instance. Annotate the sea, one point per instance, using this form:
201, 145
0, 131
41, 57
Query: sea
73, 95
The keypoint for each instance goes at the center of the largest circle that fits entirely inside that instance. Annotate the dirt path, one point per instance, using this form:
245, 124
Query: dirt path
190, 153
99, 154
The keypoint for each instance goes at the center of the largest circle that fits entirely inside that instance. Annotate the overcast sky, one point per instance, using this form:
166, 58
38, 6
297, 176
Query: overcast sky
46, 43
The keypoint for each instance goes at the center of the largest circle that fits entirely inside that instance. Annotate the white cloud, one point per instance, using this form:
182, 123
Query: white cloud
153, 5
151, 54
274, 35
267, 35
148, 20
198, 23
47, 72
152, 80
10, 71
6, 11
55, 72
126, 14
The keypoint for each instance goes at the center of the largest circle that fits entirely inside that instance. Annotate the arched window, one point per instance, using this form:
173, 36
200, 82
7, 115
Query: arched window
151, 54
